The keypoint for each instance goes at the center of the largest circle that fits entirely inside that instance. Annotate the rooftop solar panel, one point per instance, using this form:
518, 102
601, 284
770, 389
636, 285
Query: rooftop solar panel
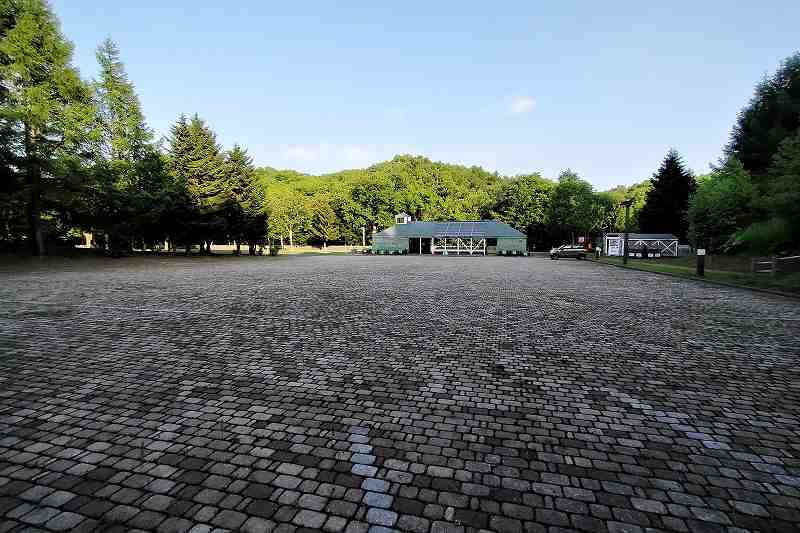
454, 229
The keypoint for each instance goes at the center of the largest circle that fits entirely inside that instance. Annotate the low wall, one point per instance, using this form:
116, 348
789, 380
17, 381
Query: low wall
512, 244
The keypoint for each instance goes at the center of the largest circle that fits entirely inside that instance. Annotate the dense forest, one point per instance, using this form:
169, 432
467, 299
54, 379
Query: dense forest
335, 207
76, 156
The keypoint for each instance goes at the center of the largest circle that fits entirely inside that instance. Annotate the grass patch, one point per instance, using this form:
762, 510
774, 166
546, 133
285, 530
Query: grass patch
686, 269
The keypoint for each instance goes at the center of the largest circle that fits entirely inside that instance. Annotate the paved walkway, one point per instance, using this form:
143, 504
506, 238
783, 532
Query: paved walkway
394, 393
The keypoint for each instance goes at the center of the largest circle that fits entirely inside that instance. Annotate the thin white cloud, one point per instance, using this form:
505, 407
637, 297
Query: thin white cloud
356, 154
302, 153
519, 105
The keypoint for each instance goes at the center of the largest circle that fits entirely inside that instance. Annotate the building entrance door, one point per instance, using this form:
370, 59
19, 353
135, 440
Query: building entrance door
419, 246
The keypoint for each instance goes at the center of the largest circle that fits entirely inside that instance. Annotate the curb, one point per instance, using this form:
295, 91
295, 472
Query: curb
712, 282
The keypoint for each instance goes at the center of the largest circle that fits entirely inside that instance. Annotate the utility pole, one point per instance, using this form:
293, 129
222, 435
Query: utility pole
627, 203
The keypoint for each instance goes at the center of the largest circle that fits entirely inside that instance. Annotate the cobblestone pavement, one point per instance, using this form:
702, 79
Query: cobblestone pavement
393, 393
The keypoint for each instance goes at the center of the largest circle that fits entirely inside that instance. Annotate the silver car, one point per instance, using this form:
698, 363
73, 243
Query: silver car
568, 250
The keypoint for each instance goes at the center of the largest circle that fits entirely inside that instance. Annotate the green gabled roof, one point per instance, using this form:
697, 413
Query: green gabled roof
471, 228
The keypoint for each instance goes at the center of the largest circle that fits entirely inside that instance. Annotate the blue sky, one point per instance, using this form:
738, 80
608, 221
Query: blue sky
605, 88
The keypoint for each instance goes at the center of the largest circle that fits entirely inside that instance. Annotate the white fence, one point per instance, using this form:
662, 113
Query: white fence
776, 265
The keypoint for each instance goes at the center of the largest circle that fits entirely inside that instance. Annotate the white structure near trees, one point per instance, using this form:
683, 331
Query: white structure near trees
657, 244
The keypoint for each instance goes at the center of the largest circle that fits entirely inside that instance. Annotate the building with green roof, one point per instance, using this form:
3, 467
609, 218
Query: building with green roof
456, 237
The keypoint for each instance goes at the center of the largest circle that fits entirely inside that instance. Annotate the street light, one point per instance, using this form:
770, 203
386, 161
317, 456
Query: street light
627, 203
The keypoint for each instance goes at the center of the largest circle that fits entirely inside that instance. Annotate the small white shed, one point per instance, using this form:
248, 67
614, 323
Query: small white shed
658, 244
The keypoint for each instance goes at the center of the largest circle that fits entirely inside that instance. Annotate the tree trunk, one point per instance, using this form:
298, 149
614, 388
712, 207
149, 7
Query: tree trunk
34, 208
291, 243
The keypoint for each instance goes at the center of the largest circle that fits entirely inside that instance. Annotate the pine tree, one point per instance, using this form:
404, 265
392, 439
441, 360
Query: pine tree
125, 136
668, 200
195, 160
238, 175
772, 115
205, 165
12, 198
234, 195
125, 156
46, 107
782, 198
178, 151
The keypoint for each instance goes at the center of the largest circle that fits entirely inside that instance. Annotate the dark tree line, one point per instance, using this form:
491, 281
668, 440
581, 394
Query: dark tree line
77, 155
750, 202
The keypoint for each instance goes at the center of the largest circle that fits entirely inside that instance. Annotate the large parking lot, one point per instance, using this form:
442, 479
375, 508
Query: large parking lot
425, 394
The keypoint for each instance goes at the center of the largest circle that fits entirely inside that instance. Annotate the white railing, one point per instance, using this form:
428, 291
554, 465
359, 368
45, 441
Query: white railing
775, 265
458, 246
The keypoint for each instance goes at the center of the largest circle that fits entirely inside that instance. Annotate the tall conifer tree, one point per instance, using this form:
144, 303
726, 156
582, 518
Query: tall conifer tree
125, 136
46, 107
772, 115
127, 165
668, 200
195, 159
234, 190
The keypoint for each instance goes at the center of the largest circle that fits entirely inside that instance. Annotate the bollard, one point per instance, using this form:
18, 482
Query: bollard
701, 262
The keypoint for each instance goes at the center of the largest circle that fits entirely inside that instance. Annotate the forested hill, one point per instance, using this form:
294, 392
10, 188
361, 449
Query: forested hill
302, 205
426, 189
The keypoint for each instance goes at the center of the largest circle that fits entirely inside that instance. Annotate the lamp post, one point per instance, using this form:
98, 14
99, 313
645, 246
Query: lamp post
627, 203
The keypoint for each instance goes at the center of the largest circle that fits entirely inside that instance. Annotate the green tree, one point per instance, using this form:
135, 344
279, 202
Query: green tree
772, 115
287, 212
523, 202
239, 197
572, 209
666, 209
46, 109
348, 212
721, 206
125, 136
128, 169
636, 192
324, 224
196, 159
375, 192
777, 229
783, 194
604, 210
13, 228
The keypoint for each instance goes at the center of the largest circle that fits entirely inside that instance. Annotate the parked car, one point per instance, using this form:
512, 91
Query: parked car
568, 250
